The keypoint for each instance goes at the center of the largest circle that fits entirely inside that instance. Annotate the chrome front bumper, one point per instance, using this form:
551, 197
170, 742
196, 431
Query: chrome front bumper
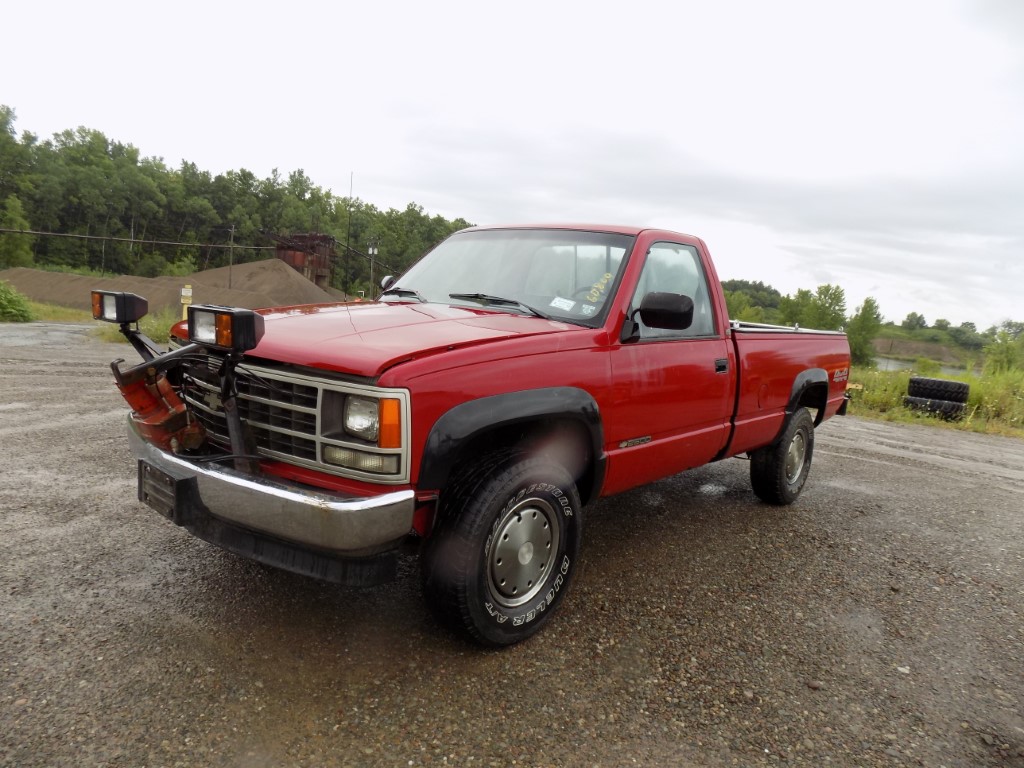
332, 522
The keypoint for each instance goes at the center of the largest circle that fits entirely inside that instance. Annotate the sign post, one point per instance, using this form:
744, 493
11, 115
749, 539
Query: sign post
186, 299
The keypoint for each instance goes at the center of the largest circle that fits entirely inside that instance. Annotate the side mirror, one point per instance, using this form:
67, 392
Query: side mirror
670, 311
387, 281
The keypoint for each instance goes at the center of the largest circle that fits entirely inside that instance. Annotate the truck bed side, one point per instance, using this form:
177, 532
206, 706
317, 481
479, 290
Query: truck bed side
780, 369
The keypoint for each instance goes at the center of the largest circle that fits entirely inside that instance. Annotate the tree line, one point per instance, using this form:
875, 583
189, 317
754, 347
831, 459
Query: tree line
122, 213
825, 309
132, 214
822, 309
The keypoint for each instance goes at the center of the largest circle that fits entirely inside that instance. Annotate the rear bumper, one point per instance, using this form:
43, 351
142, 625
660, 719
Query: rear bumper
302, 518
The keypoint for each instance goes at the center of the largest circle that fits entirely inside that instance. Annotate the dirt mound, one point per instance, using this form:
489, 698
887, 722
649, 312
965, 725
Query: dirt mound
265, 283
271, 277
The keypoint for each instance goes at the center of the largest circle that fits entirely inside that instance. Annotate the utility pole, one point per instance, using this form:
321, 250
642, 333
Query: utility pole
231, 254
348, 237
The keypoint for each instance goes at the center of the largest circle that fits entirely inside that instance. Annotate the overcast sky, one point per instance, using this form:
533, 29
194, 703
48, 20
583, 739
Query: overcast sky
874, 145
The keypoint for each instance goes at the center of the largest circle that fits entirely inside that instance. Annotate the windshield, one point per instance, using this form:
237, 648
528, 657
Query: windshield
558, 273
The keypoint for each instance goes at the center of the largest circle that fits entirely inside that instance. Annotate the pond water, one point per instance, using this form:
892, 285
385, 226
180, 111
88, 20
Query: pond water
892, 364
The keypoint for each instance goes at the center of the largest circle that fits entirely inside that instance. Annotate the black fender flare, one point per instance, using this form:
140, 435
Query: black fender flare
810, 378
465, 423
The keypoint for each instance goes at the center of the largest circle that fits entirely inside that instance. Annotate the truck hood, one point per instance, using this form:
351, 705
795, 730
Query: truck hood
367, 339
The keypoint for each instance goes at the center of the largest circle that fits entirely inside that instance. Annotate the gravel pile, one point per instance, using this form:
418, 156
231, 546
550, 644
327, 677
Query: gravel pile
266, 283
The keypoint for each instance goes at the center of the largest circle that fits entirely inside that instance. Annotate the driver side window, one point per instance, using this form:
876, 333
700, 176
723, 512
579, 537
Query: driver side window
675, 268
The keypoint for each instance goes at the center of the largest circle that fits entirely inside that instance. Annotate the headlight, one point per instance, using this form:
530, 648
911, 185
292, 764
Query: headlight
118, 307
377, 421
238, 330
362, 418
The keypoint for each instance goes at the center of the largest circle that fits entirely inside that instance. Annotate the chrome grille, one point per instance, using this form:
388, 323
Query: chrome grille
283, 412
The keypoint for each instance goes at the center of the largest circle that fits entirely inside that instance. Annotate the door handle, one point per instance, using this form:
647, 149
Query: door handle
721, 365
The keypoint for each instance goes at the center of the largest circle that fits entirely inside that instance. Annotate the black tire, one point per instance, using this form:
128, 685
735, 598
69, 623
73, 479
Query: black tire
938, 389
505, 548
948, 410
778, 471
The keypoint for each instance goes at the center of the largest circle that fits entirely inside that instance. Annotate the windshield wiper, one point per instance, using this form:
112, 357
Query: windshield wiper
486, 298
404, 292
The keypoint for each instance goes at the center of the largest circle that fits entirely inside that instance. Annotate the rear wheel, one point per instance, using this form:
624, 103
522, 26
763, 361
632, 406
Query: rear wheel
778, 471
505, 549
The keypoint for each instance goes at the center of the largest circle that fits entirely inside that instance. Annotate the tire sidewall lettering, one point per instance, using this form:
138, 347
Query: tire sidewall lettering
463, 568
534, 610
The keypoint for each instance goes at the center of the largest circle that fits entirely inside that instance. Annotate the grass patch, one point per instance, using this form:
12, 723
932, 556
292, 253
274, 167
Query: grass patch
995, 404
67, 269
54, 313
998, 400
157, 326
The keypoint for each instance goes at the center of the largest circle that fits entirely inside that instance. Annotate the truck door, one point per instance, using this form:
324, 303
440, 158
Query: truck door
674, 389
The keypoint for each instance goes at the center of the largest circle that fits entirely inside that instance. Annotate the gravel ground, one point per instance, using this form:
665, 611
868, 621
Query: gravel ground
878, 621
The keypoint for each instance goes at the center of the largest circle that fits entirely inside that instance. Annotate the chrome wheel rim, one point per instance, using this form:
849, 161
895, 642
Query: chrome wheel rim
521, 553
795, 458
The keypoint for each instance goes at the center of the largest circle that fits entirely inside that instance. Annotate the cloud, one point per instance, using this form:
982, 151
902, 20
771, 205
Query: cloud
943, 247
874, 144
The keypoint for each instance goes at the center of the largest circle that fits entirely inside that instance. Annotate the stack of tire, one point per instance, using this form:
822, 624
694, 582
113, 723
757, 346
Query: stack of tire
942, 397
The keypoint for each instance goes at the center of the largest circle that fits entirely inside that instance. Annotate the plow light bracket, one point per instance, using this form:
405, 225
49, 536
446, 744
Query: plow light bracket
118, 307
228, 328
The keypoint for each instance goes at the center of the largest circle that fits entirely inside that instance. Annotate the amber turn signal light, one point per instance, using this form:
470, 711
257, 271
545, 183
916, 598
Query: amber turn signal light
237, 330
390, 429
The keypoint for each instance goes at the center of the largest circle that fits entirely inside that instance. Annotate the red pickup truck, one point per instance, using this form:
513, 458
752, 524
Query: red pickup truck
508, 378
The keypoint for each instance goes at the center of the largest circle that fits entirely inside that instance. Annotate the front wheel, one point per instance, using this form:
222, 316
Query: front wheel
778, 471
505, 549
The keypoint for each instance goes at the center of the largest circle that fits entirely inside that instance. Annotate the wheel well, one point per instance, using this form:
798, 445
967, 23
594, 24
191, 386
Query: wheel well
813, 397
565, 440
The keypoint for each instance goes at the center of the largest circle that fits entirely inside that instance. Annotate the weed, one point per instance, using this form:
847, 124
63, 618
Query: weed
14, 307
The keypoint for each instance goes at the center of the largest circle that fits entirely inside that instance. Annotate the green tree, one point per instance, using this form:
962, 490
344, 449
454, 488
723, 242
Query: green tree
793, 309
15, 159
1004, 353
759, 294
914, 322
828, 308
740, 307
151, 265
15, 249
825, 309
1013, 328
183, 266
79, 182
966, 335
861, 330
763, 300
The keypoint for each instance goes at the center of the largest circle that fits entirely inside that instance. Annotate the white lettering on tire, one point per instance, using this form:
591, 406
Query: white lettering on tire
533, 613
